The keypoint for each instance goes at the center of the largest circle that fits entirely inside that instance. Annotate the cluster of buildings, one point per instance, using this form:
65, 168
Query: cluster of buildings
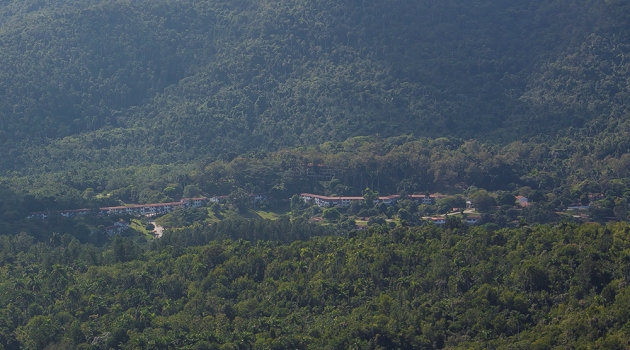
442, 220
163, 208
143, 209
117, 227
325, 201
138, 209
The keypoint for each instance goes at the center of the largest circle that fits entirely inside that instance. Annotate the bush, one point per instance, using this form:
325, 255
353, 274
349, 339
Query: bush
376, 220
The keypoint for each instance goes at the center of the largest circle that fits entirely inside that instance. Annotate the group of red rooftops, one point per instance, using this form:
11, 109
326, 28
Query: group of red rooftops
136, 209
320, 200
143, 209
326, 201
163, 208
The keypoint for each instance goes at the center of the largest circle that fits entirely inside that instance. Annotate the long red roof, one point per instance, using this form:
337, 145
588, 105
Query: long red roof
134, 206
393, 196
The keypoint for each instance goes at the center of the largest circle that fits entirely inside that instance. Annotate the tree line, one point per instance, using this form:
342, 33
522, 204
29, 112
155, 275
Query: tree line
406, 287
552, 175
111, 84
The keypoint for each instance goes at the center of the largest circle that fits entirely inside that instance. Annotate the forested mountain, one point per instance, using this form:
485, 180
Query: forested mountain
251, 102
134, 82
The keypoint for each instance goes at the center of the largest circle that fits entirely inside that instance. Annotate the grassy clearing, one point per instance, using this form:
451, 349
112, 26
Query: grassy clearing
214, 217
269, 215
249, 214
137, 226
395, 220
261, 213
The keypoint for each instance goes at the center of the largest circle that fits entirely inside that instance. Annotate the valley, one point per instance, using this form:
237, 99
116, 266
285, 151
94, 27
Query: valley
300, 174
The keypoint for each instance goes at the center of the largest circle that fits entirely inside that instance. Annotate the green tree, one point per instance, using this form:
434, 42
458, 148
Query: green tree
621, 208
191, 191
381, 208
55, 239
331, 214
297, 203
239, 200
369, 197
404, 214
506, 198
376, 220
482, 200
37, 333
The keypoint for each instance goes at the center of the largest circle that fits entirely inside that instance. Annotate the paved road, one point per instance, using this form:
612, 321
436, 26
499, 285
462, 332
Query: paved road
158, 229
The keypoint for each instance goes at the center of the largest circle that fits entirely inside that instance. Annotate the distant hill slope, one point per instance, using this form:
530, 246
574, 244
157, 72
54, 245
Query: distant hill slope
123, 82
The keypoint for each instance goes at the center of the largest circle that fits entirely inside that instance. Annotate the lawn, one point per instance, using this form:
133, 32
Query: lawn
269, 215
361, 222
214, 217
137, 226
249, 214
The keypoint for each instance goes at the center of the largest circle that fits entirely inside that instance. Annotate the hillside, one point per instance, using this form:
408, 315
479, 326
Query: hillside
501, 127
133, 82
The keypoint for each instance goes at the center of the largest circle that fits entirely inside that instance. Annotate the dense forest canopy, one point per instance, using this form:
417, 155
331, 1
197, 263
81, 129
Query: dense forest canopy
134, 82
404, 288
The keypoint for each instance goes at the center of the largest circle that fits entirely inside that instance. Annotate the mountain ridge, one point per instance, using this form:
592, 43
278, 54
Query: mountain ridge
138, 83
